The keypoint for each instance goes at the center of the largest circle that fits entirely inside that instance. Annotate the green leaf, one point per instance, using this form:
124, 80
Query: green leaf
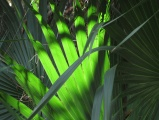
92, 36
134, 31
18, 106
61, 80
5, 68
108, 90
97, 104
32, 86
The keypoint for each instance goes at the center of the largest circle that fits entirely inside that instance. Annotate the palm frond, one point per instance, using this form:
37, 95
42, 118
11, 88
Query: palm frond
138, 69
49, 54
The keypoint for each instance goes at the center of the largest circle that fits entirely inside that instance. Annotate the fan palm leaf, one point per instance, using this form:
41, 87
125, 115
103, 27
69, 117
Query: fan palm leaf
138, 71
35, 65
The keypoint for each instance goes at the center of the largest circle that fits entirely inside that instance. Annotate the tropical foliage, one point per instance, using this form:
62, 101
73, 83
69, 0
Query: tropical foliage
79, 60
